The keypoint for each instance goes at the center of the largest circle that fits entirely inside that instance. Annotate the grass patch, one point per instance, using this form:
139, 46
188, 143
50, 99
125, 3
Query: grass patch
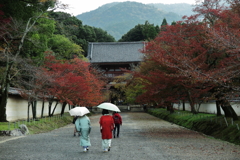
218, 127
41, 125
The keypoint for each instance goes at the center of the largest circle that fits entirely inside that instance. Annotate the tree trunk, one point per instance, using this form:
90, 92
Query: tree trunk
4, 92
54, 108
3, 104
169, 107
218, 108
34, 109
28, 112
183, 105
49, 107
198, 107
43, 105
193, 110
63, 108
228, 110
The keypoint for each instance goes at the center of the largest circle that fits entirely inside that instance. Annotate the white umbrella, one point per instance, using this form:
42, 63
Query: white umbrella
109, 106
79, 111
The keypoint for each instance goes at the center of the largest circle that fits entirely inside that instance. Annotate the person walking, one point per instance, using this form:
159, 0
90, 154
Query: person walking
83, 126
117, 122
106, 127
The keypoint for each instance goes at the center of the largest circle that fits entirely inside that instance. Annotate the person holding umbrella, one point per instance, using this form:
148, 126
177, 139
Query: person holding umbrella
83, 126
106, 127
107, 124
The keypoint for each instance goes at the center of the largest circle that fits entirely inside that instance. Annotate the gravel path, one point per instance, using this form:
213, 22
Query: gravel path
142, 137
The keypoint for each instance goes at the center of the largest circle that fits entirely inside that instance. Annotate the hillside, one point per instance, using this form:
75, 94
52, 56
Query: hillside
118, 18
181, 9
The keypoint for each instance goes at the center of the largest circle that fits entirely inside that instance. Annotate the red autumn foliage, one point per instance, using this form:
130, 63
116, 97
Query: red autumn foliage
72, 82
225, 37
185, 59
177, 54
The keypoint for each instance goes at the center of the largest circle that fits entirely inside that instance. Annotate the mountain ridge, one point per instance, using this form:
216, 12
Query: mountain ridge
117, 18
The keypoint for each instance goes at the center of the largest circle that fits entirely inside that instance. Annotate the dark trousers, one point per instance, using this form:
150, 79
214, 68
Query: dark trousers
117, 127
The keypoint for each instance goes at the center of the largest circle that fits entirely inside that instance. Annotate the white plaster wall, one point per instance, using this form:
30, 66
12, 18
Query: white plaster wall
17, 108
209, 107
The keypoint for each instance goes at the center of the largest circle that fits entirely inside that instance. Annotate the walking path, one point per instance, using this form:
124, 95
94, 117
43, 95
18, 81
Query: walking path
142, 137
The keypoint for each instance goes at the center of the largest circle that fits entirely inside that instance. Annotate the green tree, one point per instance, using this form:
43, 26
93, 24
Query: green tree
150, 31
173, 23
80, 34
103, 36
141, 32
22, 9
134, 34
164, 24
134, 88
13, 36
37, 43
64, 48
67, 25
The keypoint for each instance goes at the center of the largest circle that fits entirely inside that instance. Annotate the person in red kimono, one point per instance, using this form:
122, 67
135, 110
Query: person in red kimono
117, 121
106, 127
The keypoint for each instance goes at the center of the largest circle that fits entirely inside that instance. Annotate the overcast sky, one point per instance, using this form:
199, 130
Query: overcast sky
77, 7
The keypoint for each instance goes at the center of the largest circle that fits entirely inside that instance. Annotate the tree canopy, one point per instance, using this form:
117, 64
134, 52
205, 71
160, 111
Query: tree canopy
196, 59
73, 29
141, 32
193, 59
72, 81
30, 31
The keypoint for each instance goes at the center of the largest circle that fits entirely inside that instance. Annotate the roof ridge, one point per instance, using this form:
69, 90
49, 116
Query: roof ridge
116, 42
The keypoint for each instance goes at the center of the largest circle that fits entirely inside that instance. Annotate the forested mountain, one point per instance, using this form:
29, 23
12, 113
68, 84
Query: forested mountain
119, 17
181, 9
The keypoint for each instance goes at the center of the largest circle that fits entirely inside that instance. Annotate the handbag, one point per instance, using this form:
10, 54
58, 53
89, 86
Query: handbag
79, 127
89, 131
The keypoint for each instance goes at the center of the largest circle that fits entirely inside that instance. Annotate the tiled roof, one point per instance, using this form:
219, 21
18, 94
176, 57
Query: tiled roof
112, 52
13, 91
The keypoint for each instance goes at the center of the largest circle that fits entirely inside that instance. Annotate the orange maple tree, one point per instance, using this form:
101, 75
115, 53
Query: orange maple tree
177, 55
186, 56
72, 82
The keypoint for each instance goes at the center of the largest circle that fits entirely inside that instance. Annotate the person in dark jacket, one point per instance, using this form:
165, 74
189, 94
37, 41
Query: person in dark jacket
117, 121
